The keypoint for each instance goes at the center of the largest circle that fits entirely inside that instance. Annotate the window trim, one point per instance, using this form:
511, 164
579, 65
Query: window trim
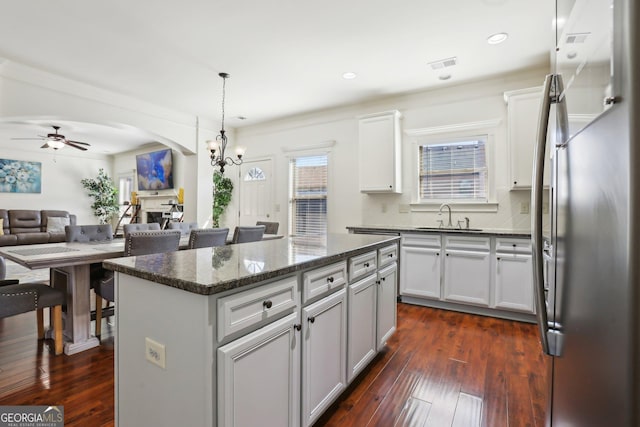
294, 154
452, 133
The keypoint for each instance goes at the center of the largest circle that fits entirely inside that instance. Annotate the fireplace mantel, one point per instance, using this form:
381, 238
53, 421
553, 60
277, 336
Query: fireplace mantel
155, 203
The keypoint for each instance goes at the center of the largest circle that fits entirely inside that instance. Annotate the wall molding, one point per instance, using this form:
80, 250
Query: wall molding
459, 127
317, 146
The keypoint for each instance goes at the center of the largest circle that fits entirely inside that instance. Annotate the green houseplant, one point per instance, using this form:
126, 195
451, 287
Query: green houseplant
105, 196
222, 190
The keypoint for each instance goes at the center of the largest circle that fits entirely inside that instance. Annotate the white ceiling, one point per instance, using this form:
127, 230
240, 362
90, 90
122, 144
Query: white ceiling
285, 57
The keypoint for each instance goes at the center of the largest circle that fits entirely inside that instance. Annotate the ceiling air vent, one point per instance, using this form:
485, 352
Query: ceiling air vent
443, 63
576, 38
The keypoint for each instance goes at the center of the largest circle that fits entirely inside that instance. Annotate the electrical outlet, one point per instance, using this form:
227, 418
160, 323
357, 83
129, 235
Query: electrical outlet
524, 207
384, 208
155, 352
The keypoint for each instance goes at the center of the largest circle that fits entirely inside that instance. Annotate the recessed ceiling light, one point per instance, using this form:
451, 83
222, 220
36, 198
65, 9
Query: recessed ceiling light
571, 55
241, 118
349, 75
444, 76
497, 38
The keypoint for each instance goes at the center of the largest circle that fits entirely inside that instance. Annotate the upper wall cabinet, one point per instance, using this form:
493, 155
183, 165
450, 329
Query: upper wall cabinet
523, 108
380, 153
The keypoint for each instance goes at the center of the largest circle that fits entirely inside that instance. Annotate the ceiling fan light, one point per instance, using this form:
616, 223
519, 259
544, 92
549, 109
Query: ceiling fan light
56, 144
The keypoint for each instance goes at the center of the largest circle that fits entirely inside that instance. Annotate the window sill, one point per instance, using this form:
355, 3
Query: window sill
456, 207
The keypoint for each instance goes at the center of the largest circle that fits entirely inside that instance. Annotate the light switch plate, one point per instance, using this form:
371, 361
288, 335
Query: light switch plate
524, 207
155, 352
404, 208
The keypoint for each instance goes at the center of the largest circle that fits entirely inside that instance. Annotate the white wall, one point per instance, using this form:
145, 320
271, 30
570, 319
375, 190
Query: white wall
450, 105
61, 187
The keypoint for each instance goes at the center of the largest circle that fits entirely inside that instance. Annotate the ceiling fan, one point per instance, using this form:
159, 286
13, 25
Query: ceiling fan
57, 141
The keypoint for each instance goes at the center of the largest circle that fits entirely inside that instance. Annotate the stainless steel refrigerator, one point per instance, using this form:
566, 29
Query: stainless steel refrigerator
587, 261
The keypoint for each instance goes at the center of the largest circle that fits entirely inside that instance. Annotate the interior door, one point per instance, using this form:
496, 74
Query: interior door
256, 189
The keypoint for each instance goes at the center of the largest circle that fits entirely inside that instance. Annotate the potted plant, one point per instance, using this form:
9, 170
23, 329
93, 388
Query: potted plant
222, 190
105, 196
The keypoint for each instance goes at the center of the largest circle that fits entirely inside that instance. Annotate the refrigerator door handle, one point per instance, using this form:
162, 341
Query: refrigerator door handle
537, 246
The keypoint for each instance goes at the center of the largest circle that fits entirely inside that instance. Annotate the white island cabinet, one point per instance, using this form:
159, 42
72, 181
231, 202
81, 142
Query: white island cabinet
204, 339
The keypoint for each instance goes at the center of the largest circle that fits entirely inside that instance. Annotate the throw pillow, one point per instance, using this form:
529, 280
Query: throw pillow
1, 226
56, 224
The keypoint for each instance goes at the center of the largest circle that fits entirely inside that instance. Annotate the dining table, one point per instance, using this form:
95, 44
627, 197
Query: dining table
69, 270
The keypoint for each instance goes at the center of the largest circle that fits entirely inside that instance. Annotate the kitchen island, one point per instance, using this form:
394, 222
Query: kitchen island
263, 333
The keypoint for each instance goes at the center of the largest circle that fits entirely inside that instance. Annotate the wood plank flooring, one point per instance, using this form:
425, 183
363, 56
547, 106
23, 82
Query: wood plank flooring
441, 368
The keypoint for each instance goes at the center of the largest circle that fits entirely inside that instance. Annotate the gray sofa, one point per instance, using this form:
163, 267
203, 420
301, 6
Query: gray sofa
27, 227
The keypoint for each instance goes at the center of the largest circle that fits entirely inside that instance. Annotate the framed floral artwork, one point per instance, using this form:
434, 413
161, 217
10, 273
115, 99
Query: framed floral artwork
17, 176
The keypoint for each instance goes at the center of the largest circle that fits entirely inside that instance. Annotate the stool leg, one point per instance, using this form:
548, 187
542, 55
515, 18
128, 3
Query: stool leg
98, 315
40, 322
57, 328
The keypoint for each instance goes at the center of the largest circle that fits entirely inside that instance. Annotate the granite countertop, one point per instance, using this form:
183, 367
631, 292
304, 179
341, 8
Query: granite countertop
209, 271
416, 229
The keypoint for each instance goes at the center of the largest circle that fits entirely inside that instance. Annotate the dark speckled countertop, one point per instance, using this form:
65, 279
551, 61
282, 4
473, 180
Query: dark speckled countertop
416, 229
211, 270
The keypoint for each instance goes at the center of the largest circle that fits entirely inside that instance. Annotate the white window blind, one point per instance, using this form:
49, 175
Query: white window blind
308, 195
454, 170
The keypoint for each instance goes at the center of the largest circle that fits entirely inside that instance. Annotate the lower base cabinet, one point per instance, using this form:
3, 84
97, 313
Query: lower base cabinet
387, 303
467, 277
363, 302
324, 354
259, 376
514, 282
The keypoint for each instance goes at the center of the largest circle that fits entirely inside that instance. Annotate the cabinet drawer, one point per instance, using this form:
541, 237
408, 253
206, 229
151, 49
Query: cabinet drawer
513, 245
362, 265
323, 280
246, 309
465, 242
387, 255
423, 239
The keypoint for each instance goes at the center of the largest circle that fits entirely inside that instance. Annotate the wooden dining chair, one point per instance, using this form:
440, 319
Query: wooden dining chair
208, 237
245, 234
135, 243
16, 298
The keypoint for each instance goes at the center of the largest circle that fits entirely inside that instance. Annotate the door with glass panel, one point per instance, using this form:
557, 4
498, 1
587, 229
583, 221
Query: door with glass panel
256, 187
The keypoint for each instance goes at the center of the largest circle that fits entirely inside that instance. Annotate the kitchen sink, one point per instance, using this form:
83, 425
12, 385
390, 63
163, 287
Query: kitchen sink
448, 229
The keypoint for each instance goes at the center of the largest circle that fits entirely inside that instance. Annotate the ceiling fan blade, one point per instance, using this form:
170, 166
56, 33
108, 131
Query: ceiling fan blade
46, 145
71, 144
78, 142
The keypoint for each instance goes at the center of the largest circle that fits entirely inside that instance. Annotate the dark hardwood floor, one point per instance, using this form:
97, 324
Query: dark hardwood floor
441, 368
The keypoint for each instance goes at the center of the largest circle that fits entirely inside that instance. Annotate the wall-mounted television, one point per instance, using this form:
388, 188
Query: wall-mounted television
155, 170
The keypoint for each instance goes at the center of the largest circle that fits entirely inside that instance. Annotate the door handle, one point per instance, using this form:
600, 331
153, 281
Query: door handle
552, 94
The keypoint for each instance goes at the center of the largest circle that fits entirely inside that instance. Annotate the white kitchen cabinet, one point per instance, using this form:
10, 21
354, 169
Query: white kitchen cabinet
523, 108
420, 266
467, 270
324, 354
387, 315
362, 338
513, 275
259, 377
380, 153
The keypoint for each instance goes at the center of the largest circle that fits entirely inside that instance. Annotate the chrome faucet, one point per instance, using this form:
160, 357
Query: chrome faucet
442, 206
